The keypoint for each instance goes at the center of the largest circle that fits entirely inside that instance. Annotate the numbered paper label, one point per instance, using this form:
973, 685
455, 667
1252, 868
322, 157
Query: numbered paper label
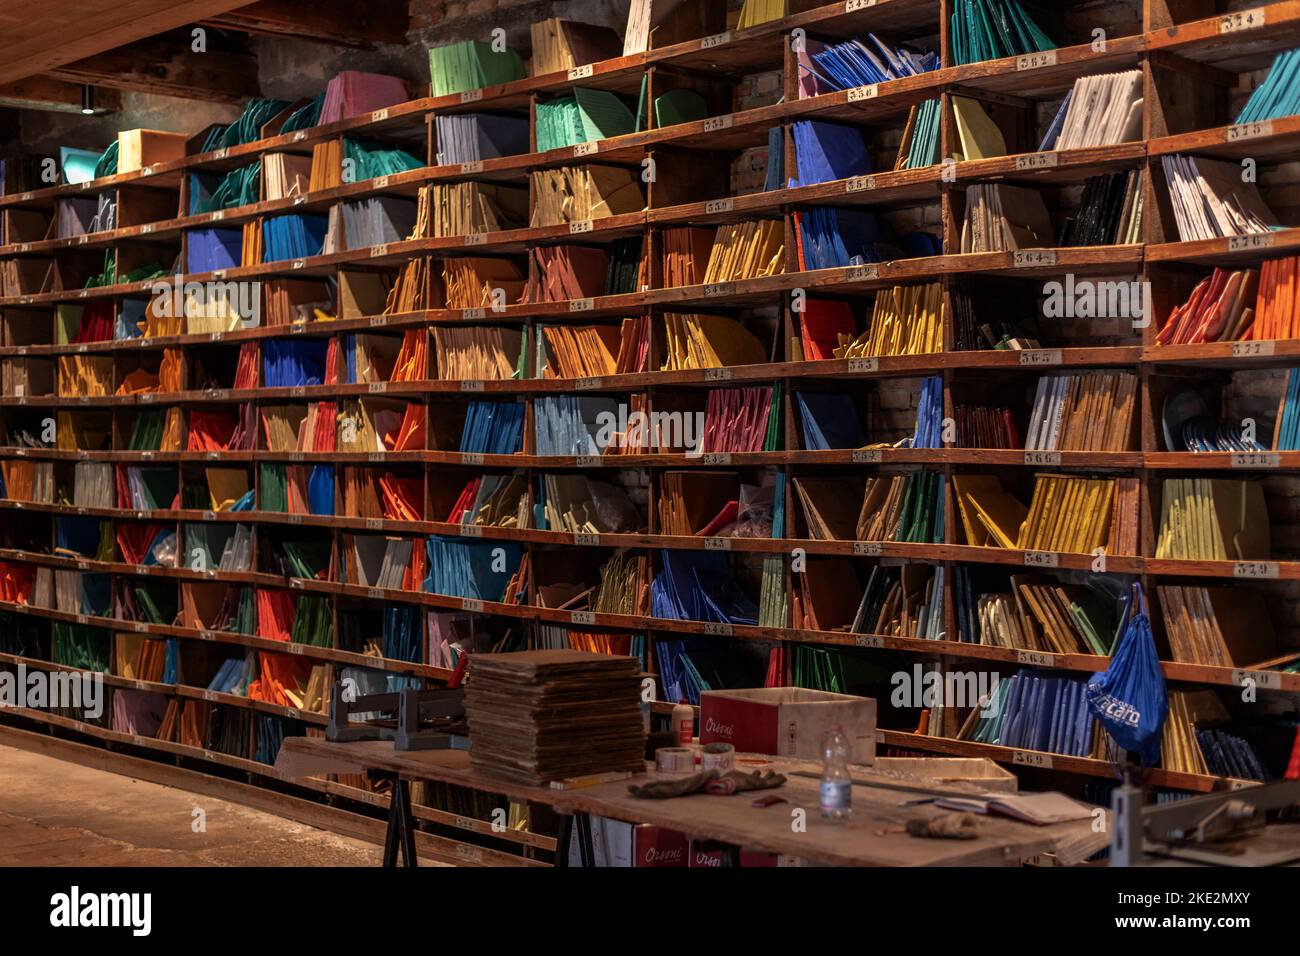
1051, 458
1036, 658
1243, 131
1036, 61
1028, 258
1031, 758
1264, 680
1252, 349
1256, 459
1242, 20
1258, 570
1249, 243
1040, 357
1033, 161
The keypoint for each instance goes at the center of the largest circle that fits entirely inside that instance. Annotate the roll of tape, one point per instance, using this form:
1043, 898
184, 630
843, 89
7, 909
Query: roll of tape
719, 757
675, 760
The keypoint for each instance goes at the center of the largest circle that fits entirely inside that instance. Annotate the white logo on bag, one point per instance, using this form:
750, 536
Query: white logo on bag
1119, 710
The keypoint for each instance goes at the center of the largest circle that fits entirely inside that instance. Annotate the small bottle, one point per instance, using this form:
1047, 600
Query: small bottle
837, 787
684, 721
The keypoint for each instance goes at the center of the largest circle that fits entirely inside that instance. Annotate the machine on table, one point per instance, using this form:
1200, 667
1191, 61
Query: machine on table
426, 719
1232, 828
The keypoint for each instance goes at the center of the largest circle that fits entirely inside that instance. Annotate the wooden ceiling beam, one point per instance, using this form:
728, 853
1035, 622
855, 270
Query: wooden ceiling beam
37, 38
45, 93
341, 22
168, 68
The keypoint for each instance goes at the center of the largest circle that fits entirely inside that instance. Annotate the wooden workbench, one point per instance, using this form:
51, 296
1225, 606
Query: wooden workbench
870, 838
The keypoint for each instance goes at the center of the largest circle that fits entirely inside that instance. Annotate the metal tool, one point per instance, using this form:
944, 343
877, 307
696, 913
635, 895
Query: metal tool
414, 709
417, 706
1230, 828
344, 703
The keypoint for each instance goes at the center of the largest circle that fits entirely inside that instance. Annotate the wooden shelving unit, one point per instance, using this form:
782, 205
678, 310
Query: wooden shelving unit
1174, 42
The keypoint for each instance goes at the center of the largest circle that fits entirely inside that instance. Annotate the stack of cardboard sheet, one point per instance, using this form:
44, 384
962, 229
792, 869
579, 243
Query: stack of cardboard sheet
538, 716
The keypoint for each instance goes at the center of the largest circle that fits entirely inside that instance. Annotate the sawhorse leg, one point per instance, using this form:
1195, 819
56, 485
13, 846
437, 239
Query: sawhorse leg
586, 848
401, 826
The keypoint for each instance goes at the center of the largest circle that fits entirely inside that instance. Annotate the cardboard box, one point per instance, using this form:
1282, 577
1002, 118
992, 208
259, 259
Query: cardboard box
137, 148
659, 847
975, 770
763, 858
787, 721
713, 858
618, 844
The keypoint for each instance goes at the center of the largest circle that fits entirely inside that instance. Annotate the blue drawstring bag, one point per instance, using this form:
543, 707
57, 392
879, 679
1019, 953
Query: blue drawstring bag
1129, 697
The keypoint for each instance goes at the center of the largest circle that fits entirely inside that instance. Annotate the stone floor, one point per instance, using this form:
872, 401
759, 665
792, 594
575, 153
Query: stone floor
54, 813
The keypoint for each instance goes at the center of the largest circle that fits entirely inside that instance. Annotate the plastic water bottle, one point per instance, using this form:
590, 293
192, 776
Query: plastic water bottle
837, 787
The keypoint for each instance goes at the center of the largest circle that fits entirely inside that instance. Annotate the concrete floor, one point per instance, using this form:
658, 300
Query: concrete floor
54, 813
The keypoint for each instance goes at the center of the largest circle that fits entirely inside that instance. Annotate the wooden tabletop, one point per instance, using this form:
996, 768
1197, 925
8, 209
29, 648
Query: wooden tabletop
870, 838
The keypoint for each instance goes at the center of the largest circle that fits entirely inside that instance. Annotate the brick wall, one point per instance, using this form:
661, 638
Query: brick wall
749, 170
444, 21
